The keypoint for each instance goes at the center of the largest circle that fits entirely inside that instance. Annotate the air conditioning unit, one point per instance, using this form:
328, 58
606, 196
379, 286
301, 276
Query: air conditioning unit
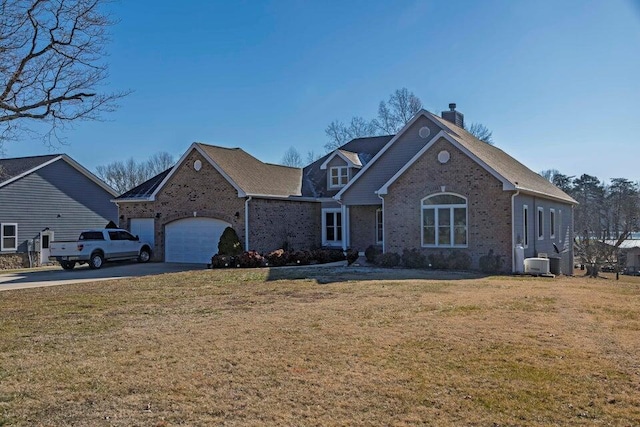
536, 266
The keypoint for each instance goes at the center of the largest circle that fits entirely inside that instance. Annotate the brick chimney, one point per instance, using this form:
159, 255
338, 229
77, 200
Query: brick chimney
453, 116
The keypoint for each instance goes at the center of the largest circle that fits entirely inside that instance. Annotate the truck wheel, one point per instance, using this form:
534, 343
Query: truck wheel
144, 256
96, 261
68, 265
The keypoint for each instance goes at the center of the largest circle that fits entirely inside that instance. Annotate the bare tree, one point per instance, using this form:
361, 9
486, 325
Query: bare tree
339, 133
312, 157
396, 112
51, 64
292, 158
481, 132
123, 176
158, 163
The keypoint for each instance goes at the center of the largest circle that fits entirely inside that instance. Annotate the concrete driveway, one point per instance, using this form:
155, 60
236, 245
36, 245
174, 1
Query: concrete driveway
57, 276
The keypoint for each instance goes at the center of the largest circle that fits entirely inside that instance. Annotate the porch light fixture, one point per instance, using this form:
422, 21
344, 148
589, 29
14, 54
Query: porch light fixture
158, 214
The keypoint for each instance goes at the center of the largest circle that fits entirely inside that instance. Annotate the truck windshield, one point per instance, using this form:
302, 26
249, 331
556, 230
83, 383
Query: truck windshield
91, 235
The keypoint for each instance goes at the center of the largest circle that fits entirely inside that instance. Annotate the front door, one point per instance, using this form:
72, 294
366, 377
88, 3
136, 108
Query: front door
45, 238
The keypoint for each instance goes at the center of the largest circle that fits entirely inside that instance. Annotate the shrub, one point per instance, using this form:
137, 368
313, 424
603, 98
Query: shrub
389, 259
250, 259
223, 261
458, 260
321, 256
437, 261
229, 243
413, 259
352, 256
300, 257
277, 258
336, 255
490, 263
325, 255
371, 253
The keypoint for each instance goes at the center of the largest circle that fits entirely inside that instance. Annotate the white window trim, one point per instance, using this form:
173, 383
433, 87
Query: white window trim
540, 223
525, 226
552, 223
340, 175
450, 207
2, 237
379, 226
334, 211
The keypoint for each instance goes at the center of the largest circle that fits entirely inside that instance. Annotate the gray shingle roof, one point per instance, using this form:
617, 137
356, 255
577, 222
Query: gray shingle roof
10, 168
253, 176
512, 170
145, 189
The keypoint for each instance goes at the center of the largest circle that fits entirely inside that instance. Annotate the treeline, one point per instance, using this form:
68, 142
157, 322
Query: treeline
607, 213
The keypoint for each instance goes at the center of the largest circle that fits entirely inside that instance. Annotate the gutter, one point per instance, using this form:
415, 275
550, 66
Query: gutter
513, 231
383, 217
246, 223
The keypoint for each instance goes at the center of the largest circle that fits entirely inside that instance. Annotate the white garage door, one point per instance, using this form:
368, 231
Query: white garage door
143, 228
193, 240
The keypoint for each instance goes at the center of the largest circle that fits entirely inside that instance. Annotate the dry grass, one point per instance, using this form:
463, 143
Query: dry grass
322, 347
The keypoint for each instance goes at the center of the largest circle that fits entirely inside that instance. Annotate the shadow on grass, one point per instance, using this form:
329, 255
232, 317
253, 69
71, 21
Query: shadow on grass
334, 274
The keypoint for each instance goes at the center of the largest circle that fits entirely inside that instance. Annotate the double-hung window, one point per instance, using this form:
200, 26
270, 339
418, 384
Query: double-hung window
444, 221
338, 176
8, 237
525, 226
331, 227
540, 223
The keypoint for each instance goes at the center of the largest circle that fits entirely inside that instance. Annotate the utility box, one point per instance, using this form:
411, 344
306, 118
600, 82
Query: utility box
537, 266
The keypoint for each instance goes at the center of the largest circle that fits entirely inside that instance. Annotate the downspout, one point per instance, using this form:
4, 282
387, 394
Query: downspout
383, 227
343, 219
513, 231
246, 223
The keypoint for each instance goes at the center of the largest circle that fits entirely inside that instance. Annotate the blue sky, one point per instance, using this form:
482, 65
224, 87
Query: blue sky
558, 82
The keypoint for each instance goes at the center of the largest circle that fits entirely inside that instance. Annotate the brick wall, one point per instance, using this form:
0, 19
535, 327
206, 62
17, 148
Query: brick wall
205, 192
489, 207
209, 194
362, 222
273, 222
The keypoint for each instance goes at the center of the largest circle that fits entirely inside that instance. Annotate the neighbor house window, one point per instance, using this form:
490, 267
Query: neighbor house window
379, 226
338, 176
540, 223
525, 226
331, 227
444, 221
9, 237
552, 223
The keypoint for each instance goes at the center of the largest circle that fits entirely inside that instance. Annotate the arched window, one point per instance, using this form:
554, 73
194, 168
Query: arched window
444, 221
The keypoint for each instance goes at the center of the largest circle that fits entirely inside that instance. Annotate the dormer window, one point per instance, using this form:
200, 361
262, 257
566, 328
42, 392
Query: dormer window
338, 176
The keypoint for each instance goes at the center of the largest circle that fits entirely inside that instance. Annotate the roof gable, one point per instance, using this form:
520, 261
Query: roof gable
314, 179
246, 174
351, 159
14, 169
513, 174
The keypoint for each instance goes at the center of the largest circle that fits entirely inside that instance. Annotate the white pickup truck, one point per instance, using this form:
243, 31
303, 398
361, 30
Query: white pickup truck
97, 246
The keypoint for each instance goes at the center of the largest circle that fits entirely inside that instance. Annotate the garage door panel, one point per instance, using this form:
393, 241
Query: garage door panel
193, 240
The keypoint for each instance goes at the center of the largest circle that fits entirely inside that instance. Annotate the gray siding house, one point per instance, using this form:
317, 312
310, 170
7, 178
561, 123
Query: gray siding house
43, 198
432, 187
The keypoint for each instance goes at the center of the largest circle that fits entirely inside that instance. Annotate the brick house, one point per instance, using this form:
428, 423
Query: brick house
432, 186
